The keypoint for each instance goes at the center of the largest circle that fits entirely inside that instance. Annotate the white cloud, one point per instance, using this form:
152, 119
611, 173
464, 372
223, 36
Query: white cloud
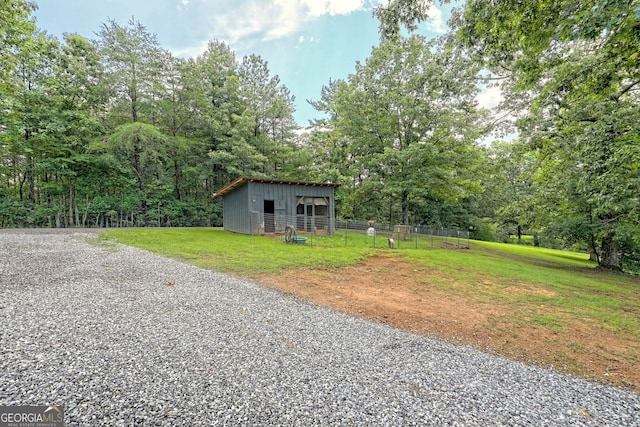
332, 7
191, 51
436, 22
301, 39
490, 97
237, 20
243, 23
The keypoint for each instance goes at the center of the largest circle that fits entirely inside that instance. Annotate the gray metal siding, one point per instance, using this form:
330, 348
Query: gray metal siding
286, 193
286, 200
236, 217
243, 209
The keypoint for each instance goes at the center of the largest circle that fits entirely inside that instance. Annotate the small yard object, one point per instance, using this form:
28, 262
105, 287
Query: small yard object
290, 236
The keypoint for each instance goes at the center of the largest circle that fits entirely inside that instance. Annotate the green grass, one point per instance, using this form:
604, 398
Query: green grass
543, 286
249, 256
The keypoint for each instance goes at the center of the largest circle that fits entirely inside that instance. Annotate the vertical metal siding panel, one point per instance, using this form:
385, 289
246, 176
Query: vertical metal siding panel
235, 213
239, 204
244, 209
255, 203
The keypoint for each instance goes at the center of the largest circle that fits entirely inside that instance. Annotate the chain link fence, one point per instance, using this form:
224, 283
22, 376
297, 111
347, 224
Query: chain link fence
321, 231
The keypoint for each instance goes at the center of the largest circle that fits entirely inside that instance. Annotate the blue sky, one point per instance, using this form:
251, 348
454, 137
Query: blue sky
305, 42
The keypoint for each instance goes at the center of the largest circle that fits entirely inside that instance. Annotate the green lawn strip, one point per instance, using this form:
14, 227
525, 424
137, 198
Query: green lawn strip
546, 294
535, 254
249, 256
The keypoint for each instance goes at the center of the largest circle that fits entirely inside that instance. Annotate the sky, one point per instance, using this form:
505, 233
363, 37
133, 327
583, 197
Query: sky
306, 43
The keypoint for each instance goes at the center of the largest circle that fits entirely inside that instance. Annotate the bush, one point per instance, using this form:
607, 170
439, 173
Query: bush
629, 245
483, 229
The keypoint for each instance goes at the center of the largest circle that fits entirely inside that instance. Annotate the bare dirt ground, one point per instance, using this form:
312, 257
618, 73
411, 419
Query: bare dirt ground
393, 291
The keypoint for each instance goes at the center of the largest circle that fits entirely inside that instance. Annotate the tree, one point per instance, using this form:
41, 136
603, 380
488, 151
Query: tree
133, 63
397, 13
411, 119
228, 126
30, 126
272, 106
179, 106
509, 188
80, 98
132, 60
145, 147
17, 32
16, 29
580, 62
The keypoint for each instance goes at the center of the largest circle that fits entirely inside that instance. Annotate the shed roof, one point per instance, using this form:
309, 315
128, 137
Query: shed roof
241, 181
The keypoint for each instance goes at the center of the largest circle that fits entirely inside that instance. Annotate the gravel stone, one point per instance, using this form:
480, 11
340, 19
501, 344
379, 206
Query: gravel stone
121, 337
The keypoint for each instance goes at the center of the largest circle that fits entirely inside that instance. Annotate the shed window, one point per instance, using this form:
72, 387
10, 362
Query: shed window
321, 210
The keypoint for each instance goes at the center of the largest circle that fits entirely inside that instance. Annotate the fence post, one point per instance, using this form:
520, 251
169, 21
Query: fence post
346, 231
375, 235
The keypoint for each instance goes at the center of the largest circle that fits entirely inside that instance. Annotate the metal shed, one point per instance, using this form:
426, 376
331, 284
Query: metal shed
259, 206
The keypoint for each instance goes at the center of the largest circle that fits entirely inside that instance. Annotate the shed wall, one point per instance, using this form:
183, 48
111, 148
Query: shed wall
285, 199
244, 207
236, 216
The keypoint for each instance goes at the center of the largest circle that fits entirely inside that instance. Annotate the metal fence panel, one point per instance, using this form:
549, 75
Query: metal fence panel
366, 233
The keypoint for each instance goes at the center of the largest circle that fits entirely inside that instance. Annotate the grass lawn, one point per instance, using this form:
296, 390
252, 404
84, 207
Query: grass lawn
248, 256
567, 282
587, 319
549, 287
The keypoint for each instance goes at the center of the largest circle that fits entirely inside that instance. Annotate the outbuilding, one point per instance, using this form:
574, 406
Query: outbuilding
259, 206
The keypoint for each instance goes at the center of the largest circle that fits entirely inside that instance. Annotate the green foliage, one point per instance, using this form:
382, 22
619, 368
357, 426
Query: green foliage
571, 58
484, 230
118, 132
397, 13
404, 125
629, 245
16, 28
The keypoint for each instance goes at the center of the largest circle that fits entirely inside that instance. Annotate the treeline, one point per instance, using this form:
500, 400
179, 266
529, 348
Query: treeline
118, 132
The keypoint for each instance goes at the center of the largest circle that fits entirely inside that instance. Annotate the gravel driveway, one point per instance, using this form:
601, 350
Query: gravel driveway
97, 329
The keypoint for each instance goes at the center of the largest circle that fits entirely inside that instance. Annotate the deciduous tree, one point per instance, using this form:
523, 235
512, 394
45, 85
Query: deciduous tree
411, 119
579, 60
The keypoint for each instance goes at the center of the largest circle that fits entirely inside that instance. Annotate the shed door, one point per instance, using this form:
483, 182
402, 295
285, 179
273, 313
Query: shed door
269, 217
313, 214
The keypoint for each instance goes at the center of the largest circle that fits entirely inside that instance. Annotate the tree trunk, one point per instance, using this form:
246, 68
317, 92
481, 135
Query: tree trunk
610, 255
177, 174
137, 169
593, 251
31, 185
70, 186
404, 202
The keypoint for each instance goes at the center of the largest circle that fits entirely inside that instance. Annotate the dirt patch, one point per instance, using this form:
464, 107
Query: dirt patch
399, 293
